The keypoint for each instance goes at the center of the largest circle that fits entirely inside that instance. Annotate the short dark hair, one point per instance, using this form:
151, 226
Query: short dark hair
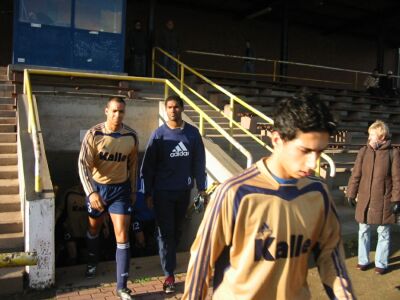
302, 113
116, 99
175, 98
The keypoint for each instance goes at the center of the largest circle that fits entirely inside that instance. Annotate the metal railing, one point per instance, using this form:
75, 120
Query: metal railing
33, 119
18, 259
355, 74
233, 100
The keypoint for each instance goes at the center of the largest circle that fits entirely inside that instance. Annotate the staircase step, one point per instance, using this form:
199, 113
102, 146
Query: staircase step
11, 280
7, 113
9, 186
10, 203
8, 128
8, 120
6, 87
7, 100
10, 222
11, 242
8, 137
8, 148
8, 172
8, 159
6, 106
6, 93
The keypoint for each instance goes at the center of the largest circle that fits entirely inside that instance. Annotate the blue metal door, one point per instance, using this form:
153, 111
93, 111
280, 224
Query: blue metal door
43, 32
81, 34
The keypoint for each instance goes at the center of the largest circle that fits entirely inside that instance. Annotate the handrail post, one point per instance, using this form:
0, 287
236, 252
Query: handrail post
182, 76
153, 61
356, 80
29, 96
201, 125
318, 168
166, 90
231, 108
274, 72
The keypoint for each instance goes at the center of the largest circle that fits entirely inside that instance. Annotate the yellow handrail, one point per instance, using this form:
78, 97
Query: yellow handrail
232, 98
275, 62
203, 115
273, 75
33, 118
221, 89
33, 130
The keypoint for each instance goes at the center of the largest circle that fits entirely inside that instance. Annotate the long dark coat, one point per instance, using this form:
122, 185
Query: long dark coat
375, 181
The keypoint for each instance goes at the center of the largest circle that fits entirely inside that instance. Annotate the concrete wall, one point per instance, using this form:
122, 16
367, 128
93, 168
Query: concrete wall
37, 208
62, 118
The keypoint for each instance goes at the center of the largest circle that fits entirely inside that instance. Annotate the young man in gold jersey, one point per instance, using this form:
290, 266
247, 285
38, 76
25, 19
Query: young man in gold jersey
108, 172
262, 226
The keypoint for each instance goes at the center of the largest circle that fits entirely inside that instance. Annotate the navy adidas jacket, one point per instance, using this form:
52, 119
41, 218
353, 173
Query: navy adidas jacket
174, 158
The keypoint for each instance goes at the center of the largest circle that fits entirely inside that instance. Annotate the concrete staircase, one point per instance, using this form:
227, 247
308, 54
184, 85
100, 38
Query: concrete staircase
11, 224
344, 157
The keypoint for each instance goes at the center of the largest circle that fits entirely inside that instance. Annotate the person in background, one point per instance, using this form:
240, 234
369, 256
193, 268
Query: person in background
169, 42
138, 50
373, 188
387, 85
249, 64
71, 214
174, 159
371, 83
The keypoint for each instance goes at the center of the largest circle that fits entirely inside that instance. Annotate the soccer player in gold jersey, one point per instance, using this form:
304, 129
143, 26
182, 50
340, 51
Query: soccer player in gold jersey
261, 226
108, 172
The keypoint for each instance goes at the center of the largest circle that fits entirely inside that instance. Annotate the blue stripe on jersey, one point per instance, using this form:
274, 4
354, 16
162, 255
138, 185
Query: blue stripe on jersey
284, 192
335, 212
115, 135
340, 269
250, 173
329, 291
197, 285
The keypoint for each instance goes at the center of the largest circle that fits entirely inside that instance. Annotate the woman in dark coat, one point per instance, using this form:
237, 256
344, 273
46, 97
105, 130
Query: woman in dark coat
374, 186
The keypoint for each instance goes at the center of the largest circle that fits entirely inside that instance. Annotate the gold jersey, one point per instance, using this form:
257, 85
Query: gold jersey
108, 157
258, 234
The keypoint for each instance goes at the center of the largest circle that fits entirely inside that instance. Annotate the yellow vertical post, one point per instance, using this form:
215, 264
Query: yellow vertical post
166, 89
356, 80
28, 92
153, 61
318, 168
201, 125
182, 76
274, 72
231, 109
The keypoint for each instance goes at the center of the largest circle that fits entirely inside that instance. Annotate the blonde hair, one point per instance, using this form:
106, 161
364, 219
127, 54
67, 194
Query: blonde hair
381, 129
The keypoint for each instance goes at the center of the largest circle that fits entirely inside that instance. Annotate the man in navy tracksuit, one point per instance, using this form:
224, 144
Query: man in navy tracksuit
174, 158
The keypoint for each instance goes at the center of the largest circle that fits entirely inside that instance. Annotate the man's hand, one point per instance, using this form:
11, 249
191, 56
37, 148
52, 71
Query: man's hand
351, 202
205, 197
96, 202
396, 207
149, 202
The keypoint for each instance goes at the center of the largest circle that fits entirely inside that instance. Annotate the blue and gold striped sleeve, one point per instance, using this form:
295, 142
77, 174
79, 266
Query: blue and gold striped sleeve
86, 162
214, 235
